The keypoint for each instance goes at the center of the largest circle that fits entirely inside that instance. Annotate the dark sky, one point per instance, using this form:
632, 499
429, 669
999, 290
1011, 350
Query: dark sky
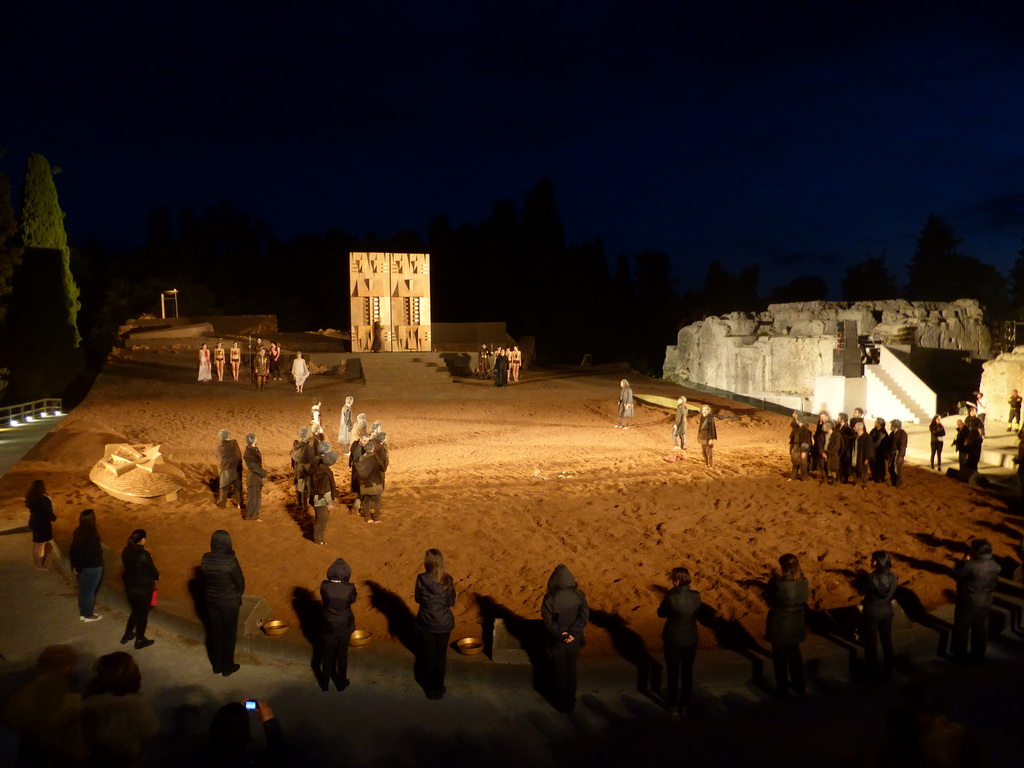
806, 135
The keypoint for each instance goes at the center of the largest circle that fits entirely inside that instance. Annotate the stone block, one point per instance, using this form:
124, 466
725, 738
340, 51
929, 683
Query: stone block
253, 613
505, 649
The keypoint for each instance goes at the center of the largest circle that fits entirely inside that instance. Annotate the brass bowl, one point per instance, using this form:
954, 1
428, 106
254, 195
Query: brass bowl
360, 638
469, 646
275, 628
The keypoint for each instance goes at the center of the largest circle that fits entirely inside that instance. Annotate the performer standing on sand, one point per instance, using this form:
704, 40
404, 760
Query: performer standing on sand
515, 362
483, 363
275, 361
218, 359
625, 405
323, 490
345, 428
707, 434
254, 480
204, 364
229, 461
262, 367
236, 359
300, 371
302, 458
679, 427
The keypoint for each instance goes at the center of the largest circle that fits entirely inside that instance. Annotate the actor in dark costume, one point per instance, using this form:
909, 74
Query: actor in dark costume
565, 613
897, 452
959, 444
254, 479
370, 469
435, 596
862, 455
973, 442
323, 489
229, 460
679, 635
799, 447
707, 434
787, 598
1015, 403
275, 361
337, 595
225, 585
302, 456
500, 367
830, 457
483, 363
846, 435
679, 425
140, 577
377, 341
977, 576
818, 447
881, 440
937, 433
879, 587
625, 405
261, 367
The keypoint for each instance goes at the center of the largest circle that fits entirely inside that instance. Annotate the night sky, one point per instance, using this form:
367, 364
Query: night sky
805, 135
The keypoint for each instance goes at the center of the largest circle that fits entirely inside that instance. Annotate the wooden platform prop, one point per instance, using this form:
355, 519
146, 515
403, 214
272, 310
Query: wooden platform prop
139, 474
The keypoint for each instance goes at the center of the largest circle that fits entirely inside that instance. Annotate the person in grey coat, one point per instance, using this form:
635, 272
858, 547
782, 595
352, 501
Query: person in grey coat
679, 635
787, 598
679, 426
254, 479
229, 462
976, 578
565, 613
625, 405
707, 435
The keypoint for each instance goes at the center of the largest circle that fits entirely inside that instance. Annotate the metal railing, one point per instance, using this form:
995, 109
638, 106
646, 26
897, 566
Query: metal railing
25, 413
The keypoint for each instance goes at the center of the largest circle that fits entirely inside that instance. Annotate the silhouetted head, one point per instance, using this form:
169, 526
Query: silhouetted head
681, 576
981, 548
87, 519
35, 491
137, 537
220, 542
116, 673
881, 561
790, 566
339, 571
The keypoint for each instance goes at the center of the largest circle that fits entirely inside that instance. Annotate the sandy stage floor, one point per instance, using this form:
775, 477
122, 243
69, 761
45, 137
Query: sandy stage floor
509, 483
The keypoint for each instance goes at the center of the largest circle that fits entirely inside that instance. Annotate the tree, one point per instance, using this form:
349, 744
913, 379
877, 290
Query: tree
934, 264
869, 280
42, 226
1017, 282
805, 288
10, 251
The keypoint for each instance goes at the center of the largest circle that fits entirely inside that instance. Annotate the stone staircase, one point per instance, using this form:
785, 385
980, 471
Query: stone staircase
410, 370
918, 414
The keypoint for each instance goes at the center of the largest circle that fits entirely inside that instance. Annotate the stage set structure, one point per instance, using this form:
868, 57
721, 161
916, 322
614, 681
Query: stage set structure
390, 301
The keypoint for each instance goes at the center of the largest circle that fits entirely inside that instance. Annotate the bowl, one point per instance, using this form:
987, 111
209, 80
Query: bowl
469, 646
360, 638
275, 628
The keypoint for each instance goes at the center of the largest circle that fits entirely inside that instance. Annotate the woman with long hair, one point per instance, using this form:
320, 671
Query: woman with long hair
300, 371
435, 594
204, 364
937, 433
86, 555
40, 520
876, 619
787, 598
140, 577
117, 722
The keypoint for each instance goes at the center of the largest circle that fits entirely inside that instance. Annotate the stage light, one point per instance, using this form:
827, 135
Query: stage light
58, 412
43, 414
15, 423
29, 418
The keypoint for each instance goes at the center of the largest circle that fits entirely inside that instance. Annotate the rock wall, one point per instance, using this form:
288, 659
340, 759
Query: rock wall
782, 350
998, 378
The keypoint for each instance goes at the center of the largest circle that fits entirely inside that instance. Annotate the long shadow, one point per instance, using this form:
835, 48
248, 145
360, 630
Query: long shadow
733, 636
1003, 528
924, 565
529, 633
401, 621
912, 606
631, 646
932, 540
12, 531
838, 626
311, 621
197, 591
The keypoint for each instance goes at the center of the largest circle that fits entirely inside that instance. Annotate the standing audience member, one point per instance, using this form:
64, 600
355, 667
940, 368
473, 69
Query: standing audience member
897, 452
973, 442
323, 490
879, 588
140, 578
300, 371
787, 597
229, 462
337, 595
707, 434
1014, 417
625, 405
86, 557
976, 578
863, 453
846, 438
880, 438
40, 521
818, 449
230, 743
937, 432
679, 635
435, 595
345, 427
118, 724
225, 585
254, 478
565, 613
679, 427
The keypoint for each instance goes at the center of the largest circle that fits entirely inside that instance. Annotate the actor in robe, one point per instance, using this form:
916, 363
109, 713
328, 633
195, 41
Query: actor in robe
862, 454
204, 364
483, 363
229, 461
370, 469
323, 489
897, 451
261, 367
500, 367
625, 405
880, 438
818, 446
254, 478
973, 441
346, 425
830, 456
846, 435
800, 440
707, 435
300, 372
302, 455
679, 425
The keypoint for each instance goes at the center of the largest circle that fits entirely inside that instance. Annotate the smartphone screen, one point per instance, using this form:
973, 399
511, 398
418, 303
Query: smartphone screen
250, 704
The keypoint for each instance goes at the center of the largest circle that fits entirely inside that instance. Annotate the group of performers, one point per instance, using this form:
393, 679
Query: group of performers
266, 364
504, 365
843, 450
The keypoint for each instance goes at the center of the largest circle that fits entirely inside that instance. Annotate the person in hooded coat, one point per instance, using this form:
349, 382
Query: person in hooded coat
879, 587
977, 576
679, 609
707, 435
435, 595
224, 584
787, 598
337, 595
254, 479
565, 613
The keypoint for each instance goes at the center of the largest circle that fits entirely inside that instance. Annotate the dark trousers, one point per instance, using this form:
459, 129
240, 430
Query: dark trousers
321, 516
253, 501
88, 585
896, 470
225, 488
970, 622
875, 630
708, 449
863, 473
878, 470
223, 632
936, 457
433, 659
563, 658
788, 663
334, 665
139, 600
679, 665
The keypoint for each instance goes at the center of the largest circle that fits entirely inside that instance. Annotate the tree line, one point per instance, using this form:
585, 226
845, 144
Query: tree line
60, 308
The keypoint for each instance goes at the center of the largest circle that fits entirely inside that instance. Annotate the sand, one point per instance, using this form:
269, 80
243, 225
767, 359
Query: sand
508, 483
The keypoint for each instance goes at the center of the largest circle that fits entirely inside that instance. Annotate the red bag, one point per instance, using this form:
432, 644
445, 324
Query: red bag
152, 600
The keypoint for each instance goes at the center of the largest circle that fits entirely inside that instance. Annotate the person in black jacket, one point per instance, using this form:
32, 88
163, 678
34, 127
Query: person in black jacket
846, 438
435, 594
140, 577
225, 585
565, 613
679, 609
337, 596
40, 521
879, 587
86, 555
937, 433
976, 578
230, 743
787, 597
831, 453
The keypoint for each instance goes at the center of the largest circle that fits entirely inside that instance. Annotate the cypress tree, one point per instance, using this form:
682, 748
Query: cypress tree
10, 251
